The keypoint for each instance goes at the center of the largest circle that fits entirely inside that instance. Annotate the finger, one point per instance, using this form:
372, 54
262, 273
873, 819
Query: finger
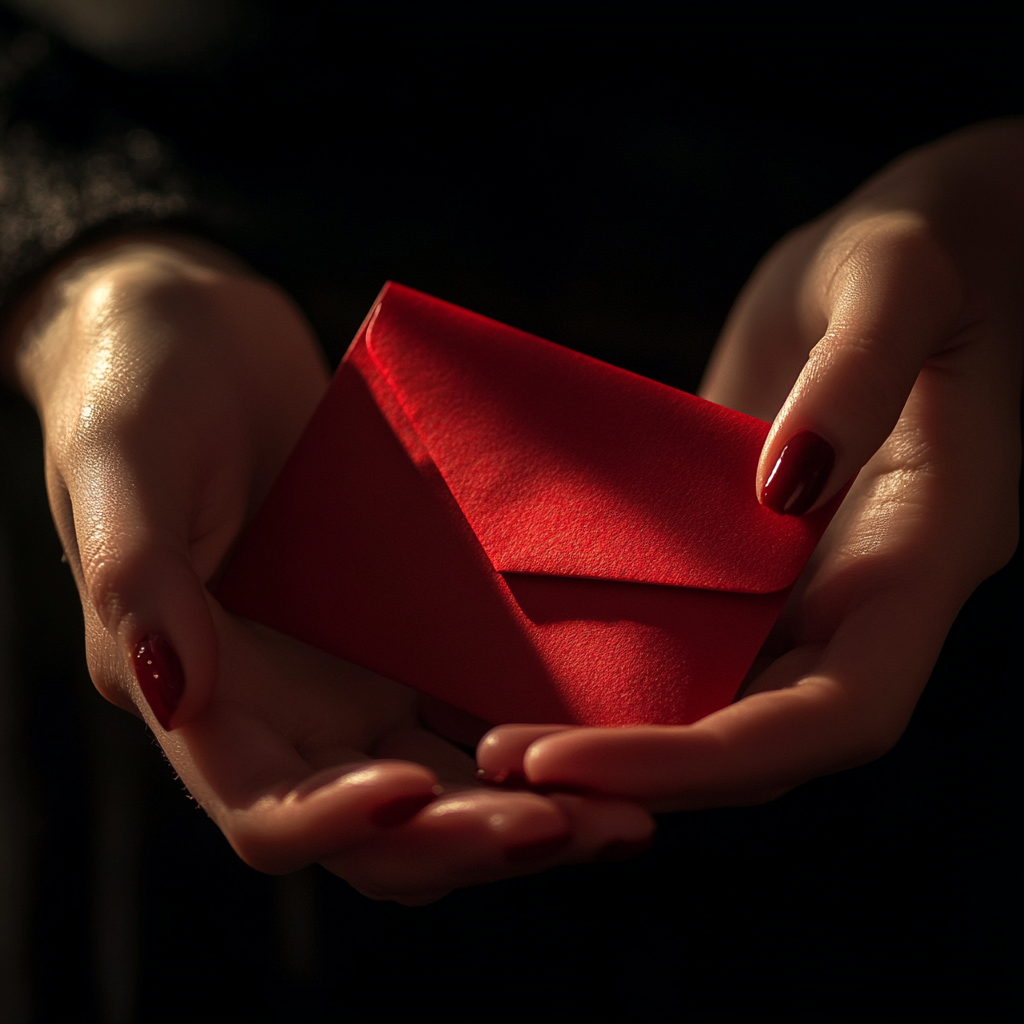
278, 814
749, 755
500, 753
327, 813
478, 836
891, 296
821, 708
770, 744
127, 542
168, 405
147, 595
282, 807
147, 623
277, 758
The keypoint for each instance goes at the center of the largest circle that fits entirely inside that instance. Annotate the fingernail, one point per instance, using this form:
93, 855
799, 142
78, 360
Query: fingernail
799, 474
537, 850
623, 849
159, 675
503, 777
400, 810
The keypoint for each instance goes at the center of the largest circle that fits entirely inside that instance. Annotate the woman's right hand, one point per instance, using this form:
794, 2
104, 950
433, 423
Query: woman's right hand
172, 384
884, 342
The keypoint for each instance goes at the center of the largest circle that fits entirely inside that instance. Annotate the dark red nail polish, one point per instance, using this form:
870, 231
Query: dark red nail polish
799, 474
538, 850
400, 810
622, 849
160, 676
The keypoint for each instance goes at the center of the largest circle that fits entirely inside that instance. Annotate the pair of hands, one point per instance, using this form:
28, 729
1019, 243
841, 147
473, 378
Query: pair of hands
172, 384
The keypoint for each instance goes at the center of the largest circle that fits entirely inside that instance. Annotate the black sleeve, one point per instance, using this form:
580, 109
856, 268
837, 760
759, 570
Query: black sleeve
72, 169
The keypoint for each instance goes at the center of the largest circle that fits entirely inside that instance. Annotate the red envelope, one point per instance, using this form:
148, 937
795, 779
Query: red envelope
519, 530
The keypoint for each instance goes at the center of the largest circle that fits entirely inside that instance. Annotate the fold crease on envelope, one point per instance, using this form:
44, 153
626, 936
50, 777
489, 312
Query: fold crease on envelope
519, 530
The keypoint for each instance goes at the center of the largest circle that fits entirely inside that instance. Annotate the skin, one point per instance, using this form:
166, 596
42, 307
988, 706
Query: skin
898, 316
172, 383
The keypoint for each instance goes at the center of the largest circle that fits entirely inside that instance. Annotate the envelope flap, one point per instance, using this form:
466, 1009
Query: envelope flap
567, 466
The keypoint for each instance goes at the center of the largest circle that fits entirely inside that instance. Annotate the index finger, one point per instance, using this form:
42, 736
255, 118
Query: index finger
892, 298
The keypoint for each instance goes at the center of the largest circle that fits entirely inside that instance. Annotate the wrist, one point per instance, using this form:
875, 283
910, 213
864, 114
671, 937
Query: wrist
31, 341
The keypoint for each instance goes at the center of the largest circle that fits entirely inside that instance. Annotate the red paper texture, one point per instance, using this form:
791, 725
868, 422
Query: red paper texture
520, 530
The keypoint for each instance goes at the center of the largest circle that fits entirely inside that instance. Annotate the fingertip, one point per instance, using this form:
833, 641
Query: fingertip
798, 476
329, 813
158, 614
501, 751
548, 760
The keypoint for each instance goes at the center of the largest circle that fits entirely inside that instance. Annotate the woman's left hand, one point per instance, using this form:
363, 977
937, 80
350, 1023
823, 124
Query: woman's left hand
172, 383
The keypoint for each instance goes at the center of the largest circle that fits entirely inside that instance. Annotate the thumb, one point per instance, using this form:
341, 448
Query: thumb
136, 578
890, 295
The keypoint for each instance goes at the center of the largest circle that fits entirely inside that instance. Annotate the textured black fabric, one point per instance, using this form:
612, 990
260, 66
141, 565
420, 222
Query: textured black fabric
59, 189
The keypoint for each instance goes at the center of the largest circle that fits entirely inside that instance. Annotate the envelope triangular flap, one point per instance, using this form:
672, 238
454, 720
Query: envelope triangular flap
567, 466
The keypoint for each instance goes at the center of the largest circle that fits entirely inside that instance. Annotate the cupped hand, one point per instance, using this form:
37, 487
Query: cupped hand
884, 342
172, 384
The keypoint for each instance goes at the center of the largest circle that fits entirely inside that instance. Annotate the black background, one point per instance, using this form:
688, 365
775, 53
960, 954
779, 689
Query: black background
605, 176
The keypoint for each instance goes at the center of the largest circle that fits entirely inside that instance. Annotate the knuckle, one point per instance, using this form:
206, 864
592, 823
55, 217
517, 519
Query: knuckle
885, 373
106, 585
115, 288
903, 233
106, 670
103, 678
904, 237
893, 256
